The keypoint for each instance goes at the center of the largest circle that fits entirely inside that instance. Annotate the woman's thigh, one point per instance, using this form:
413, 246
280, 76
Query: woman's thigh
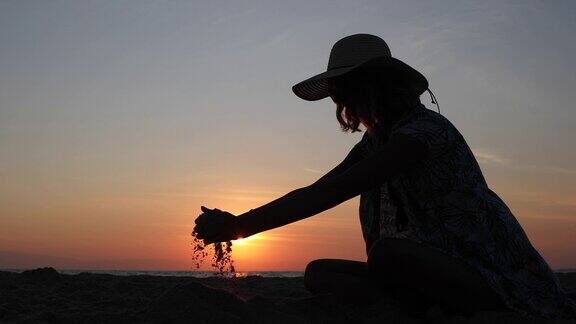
440, 277
337, 265
319, 272
344, 278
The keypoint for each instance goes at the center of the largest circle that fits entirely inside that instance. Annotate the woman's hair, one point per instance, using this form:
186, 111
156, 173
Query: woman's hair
371, 97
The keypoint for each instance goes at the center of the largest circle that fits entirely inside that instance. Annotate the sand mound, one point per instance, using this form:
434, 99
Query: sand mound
44, 295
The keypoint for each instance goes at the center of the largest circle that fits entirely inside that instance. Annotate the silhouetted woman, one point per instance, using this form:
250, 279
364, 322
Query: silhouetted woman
434, 231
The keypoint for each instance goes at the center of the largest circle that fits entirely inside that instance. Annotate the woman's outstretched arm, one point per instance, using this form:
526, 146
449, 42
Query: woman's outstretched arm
216, 229
399, 153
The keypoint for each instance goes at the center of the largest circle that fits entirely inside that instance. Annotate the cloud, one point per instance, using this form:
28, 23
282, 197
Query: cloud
547, 209
553, 169
486, 156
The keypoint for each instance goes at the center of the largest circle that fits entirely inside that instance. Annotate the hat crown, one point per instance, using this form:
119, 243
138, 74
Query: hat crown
355, 49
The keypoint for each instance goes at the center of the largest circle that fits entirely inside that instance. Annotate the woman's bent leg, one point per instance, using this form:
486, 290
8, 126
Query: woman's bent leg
406, 266
346, 279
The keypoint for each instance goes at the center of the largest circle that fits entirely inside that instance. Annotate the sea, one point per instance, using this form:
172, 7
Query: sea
195, 274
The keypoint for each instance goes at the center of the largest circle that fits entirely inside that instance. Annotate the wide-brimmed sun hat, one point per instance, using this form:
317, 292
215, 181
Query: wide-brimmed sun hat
354, 52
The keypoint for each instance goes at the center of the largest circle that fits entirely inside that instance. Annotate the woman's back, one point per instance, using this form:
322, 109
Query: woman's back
444, 202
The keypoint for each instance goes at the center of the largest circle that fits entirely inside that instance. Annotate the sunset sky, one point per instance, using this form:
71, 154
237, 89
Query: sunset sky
118, 119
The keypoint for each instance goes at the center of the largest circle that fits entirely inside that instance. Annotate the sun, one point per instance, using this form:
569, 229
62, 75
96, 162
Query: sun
251, 240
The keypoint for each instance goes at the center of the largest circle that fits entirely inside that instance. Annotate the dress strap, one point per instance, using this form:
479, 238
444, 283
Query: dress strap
433, 99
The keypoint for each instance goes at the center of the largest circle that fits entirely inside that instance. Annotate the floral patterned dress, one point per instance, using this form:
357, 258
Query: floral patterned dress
445, 203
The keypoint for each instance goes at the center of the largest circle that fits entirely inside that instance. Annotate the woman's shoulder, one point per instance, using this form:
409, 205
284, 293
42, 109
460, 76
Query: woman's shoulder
430, 128
424, 119
366, 143
423, 114
422, 123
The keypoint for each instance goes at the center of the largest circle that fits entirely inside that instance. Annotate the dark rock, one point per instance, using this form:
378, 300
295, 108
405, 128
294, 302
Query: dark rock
41, 275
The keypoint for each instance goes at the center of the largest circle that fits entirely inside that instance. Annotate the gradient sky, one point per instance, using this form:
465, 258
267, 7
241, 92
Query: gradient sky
118, 119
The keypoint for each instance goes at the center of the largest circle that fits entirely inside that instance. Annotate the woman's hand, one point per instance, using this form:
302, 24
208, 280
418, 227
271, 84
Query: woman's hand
215, 225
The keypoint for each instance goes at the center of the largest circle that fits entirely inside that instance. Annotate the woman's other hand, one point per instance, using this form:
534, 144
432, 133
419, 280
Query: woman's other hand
215, 225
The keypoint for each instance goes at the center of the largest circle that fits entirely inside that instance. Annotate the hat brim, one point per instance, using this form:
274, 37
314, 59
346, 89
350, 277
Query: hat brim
316, 87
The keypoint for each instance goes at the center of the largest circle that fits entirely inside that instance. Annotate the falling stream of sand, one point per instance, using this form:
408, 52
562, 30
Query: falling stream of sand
220, 254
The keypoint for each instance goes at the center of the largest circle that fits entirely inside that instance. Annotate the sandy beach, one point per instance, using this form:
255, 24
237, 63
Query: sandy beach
46, 296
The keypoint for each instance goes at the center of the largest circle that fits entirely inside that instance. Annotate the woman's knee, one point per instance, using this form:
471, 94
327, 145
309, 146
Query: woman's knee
313, 272
324, 272
315, 266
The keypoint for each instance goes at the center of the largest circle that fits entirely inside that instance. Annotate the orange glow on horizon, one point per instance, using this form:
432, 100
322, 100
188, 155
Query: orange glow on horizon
248, 241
